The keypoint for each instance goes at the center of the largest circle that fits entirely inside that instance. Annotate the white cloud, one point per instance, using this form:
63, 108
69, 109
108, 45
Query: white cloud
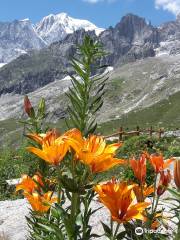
170, 5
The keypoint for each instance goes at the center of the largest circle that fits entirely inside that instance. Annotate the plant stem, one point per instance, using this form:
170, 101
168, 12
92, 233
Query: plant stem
59, 185
142, 194
74, 202
156, 205
111, 225
74, 210
143, 198
154, 196
116, 231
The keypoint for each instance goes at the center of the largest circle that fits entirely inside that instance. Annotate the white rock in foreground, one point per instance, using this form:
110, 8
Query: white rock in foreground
13, 222
12, 219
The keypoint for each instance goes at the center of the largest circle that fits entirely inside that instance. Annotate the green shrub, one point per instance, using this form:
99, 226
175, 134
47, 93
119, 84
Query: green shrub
134, 146
174, 148
14, 163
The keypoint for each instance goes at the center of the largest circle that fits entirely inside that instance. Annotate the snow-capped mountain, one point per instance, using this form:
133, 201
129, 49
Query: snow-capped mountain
20, 36
53, 28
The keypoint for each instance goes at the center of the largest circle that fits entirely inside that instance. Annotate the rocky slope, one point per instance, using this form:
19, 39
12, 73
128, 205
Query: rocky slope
131, 87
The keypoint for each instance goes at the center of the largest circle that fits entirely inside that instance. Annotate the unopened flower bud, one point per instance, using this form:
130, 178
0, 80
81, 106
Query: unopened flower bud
28, 107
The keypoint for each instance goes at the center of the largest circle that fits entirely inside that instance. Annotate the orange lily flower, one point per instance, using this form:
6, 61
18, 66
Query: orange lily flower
41, 203
177, 173
139, 167
147, 190
165, 179
54, 148
94, 152
156, 222
119, 199
41, 138
158, 162
29, 184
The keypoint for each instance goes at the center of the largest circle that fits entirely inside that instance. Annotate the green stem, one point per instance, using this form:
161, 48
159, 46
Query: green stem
143, 198
142, 194
116, 231
156, 205
59, 185
74, 202
111, 222
154, 196
74, 211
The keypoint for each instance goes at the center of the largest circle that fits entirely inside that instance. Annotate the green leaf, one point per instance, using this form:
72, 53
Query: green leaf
107, 230
121, 235
47, 228
174, 192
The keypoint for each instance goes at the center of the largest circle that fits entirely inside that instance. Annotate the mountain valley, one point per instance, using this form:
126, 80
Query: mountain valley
144, 71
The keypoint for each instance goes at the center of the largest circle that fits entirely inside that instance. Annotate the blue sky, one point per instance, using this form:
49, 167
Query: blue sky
103, 13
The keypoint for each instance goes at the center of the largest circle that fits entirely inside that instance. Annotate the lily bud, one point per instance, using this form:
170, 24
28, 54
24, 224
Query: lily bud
177, 173
28, 107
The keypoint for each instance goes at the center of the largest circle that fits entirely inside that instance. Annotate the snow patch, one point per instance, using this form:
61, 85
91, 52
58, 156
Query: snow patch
135, 105
25, 20
2, 64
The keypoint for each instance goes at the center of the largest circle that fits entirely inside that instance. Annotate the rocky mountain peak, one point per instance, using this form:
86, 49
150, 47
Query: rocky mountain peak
130, 24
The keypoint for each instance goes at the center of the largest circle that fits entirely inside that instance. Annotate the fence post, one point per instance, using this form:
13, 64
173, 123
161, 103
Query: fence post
137, 129
120, 133
160, 131
151, 131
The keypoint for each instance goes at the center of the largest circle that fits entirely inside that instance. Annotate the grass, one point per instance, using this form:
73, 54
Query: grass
164, 114
13, 163
10, 131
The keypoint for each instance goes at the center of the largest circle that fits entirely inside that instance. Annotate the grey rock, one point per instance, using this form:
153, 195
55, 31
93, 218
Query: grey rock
16, 38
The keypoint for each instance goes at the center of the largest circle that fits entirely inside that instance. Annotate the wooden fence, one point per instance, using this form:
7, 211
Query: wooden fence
136, 132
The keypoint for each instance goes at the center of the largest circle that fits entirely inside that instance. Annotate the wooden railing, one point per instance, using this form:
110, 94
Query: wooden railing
136, 132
